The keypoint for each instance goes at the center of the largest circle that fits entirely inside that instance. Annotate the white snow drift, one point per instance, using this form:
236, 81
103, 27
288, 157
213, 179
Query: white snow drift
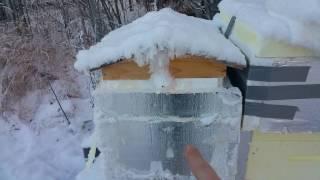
166, 33
293, 21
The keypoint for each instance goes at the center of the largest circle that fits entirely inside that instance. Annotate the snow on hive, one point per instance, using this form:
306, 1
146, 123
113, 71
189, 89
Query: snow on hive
294, 21
157, 37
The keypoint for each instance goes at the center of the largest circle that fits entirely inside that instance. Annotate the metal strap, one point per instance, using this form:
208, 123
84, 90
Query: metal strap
270, 111
230, 27
307, 91
279, 74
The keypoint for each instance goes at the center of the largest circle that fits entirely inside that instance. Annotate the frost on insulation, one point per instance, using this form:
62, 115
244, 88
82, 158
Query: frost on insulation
293, 21
205, 121
217, 128
170, 153
157, 34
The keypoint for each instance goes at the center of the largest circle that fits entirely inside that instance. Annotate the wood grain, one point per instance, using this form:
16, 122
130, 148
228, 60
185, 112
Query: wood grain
196, 67
181, 67
125, 70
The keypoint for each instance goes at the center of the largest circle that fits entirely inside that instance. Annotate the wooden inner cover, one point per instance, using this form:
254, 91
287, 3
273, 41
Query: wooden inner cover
181, 67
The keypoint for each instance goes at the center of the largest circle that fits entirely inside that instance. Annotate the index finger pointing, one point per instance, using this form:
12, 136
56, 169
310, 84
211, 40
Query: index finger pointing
199, 167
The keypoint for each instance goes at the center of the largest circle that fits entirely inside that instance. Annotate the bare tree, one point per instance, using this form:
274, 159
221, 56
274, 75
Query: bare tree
40, 38
3, 13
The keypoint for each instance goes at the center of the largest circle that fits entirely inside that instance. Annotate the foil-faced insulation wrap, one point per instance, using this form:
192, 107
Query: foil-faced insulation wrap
143, 135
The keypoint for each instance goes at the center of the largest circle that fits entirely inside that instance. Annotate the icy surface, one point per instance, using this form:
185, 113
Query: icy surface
165, 32
181, 86
205, 121
134, 153
294, 21
169, 153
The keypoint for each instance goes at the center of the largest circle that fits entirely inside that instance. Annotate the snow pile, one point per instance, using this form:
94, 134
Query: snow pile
160, 35
306, 11
46, 147
294, 21
53, 154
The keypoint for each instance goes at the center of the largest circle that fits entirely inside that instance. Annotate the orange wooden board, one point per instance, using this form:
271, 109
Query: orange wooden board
182, 67
125, 70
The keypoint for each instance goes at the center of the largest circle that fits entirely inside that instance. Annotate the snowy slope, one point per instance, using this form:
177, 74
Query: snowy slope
164, 32
306, 11
46, 148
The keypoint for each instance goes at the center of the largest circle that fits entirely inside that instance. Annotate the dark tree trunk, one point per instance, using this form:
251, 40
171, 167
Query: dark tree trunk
130, 5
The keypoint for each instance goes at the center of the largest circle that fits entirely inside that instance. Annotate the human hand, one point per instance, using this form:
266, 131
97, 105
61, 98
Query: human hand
199, 167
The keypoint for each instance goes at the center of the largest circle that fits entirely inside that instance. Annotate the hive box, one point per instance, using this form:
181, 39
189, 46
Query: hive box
293, 156
141, 132
163, 86
281, 86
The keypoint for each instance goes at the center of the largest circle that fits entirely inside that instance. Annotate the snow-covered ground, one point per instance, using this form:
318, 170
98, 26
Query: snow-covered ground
46, 148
